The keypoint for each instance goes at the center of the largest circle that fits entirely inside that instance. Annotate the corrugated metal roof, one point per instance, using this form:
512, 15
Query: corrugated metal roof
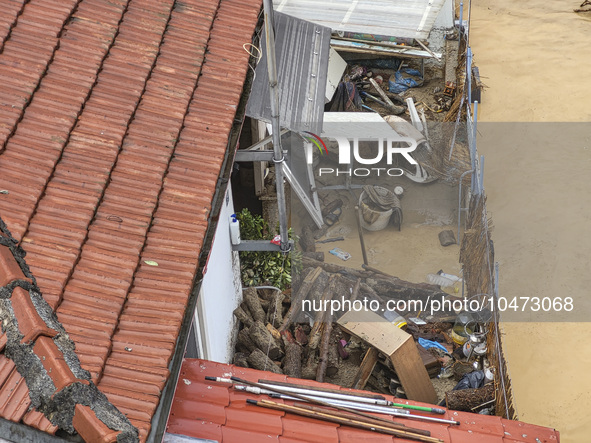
397, 18
302, 65
211, 410
114, 123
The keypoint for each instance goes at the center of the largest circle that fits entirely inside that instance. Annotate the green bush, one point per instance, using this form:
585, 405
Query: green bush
258, 267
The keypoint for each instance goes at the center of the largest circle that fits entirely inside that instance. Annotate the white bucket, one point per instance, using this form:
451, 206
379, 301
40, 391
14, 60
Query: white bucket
382, 218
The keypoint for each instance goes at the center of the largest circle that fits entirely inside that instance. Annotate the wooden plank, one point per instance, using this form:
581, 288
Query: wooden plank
366, 368
398, 345
375, 330
432, 365
412, 373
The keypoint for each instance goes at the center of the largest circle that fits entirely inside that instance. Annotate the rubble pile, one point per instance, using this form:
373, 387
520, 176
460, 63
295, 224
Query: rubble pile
276, 335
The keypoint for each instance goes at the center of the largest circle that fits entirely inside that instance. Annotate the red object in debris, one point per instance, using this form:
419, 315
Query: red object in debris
276, 240
341, 348
301, 336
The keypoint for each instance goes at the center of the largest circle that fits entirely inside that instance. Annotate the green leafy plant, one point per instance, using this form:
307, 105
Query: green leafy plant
261, 267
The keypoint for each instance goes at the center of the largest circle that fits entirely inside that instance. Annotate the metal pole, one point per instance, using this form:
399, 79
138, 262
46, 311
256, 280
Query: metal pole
461, 27
469, 73
460, 206
275, 126
481, 174
313, 393
475, 120
371, 408
360, 229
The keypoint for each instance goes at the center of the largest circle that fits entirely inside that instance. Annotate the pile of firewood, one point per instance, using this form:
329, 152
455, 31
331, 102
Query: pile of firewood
271, 339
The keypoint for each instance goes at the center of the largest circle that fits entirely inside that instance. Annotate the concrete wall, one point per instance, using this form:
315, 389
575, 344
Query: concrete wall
220, 294
442, 25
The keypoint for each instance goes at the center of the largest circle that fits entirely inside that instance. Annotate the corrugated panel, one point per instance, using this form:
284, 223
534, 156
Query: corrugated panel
397, 18
302, 65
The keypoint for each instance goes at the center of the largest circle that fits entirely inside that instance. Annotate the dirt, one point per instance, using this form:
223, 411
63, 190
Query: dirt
522, 50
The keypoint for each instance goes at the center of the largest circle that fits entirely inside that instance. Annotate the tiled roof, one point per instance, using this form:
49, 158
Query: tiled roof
211, 410
115, 117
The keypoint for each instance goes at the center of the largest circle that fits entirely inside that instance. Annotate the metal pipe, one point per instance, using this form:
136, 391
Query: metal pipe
265, 287
469, 73
461, 24
275, 125
360, 229
481, 184
373, 408
460, 205
314, 393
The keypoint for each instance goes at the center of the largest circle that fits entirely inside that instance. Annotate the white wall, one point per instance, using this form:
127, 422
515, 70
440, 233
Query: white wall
220, 294
446, 16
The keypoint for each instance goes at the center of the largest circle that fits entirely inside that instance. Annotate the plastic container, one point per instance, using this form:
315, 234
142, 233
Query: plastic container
463, 327
448, 283
234, 230
382, 218
396, 319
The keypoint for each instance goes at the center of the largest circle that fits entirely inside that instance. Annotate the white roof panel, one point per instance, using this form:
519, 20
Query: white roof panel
396, 18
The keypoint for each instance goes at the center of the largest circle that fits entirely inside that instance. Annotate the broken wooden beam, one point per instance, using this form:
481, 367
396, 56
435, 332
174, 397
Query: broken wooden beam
296, 302
369, 362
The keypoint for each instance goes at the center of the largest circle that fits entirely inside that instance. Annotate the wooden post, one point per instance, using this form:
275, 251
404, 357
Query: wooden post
366, 368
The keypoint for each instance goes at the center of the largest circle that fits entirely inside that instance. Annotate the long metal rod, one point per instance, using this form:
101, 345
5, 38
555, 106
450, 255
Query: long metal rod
460, 206
461, 30
314, 211
360, 229
372, 408
311, 392
275, 126
340, 395
481, 184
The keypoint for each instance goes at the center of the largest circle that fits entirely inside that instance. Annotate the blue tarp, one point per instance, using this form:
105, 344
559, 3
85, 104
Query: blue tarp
406, 78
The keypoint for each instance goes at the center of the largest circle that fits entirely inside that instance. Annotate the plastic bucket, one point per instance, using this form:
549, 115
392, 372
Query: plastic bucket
379, 219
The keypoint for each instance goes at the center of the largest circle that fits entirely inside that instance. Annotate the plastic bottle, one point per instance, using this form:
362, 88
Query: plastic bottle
448, 283
396, 319
234, 230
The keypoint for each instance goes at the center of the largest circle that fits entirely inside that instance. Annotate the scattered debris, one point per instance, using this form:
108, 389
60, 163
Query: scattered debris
338, 252
447, 237
581, 8
330, 240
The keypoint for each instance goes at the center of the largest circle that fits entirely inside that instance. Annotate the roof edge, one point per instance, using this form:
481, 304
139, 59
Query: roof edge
160, 418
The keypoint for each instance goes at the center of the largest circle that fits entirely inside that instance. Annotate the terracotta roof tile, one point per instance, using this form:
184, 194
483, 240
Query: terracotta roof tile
6, 368
37, 420
14, 398
30, 324
239, 421
309, 430
102, 130
90, 427
352, 435
524, 432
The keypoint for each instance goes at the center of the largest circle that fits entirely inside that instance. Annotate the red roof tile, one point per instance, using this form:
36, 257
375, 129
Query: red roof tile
95, 98
201, 409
